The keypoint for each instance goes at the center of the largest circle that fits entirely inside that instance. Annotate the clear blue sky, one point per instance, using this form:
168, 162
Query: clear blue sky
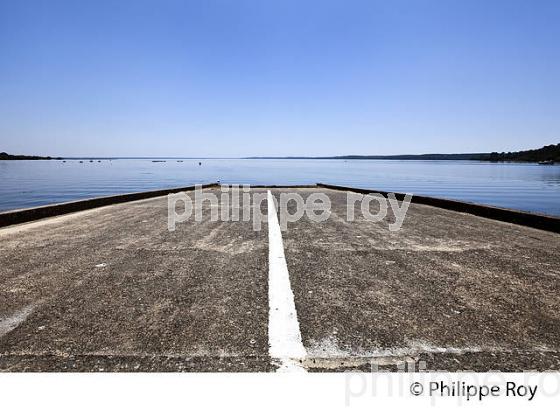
237, 78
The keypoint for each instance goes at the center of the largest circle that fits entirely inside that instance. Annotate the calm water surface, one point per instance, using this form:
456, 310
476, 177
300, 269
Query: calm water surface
528, 187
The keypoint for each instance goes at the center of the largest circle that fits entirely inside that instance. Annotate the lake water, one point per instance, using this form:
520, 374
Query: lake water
528, 187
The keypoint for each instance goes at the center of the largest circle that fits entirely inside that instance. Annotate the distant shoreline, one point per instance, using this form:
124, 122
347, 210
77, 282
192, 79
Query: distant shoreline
8, 157
548, 154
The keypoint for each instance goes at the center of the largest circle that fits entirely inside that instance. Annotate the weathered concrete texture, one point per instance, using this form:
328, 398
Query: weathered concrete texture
111, 289
19, 216
455, 290
533, 220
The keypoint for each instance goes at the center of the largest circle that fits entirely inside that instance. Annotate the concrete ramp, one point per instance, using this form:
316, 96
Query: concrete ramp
112, 289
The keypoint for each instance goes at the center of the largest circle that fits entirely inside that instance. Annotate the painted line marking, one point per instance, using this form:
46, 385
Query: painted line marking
284, 337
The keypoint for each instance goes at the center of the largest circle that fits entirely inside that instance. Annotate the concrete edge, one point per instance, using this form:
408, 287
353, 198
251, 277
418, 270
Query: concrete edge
284, 186
532, 220
32, 214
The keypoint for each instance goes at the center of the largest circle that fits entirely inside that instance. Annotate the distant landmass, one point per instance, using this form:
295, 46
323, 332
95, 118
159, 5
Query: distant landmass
548, 153
7, 157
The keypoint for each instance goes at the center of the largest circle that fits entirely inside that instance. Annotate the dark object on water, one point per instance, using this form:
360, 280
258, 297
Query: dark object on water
81, 162
91, 160
549, 162
179, 160
200, 163
63, 161
158, 160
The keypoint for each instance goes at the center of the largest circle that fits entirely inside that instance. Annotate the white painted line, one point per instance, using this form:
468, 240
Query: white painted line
284, 337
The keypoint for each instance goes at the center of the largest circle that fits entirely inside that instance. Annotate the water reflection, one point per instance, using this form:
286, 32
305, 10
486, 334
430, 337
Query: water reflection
529, 187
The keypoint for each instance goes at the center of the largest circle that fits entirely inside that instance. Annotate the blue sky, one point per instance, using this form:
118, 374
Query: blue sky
239, 78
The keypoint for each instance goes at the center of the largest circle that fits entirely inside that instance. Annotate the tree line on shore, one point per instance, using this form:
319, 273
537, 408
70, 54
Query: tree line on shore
548, 153
6, 156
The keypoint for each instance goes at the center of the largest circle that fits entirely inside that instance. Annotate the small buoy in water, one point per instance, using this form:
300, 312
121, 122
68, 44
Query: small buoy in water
200, 163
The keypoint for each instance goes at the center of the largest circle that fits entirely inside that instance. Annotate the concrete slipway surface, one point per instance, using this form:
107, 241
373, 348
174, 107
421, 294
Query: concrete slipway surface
111, 289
